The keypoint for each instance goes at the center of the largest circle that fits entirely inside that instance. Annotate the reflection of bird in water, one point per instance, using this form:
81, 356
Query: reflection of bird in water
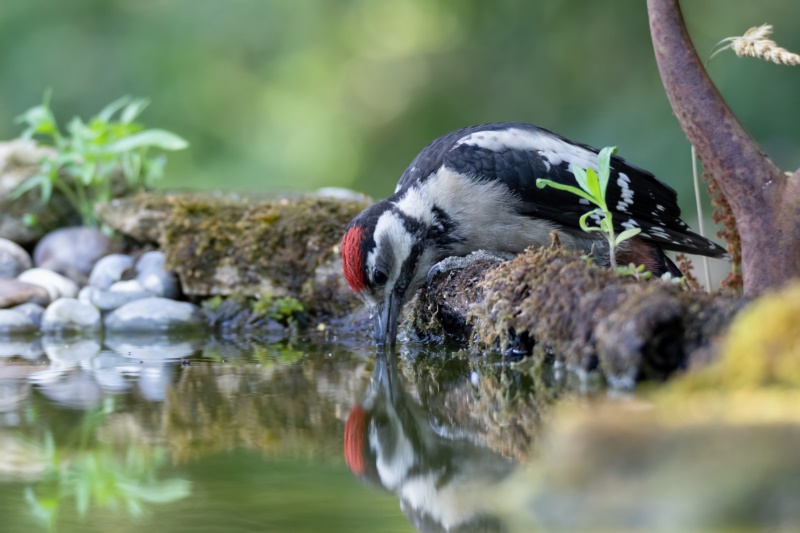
442, 481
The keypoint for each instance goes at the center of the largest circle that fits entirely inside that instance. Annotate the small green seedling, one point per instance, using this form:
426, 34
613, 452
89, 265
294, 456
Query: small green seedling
91, 157
593, 187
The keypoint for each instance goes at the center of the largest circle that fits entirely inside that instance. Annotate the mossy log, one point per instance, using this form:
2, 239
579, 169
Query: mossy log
576, 312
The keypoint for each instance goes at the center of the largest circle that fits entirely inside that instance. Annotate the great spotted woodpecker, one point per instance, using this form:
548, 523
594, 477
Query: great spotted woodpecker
442, 476
475, 189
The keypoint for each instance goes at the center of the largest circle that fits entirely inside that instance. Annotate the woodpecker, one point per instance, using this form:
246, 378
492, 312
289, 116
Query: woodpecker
442, 476
475, 189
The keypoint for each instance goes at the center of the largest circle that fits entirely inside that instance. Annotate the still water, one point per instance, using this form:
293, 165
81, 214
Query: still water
187, 434
131, 434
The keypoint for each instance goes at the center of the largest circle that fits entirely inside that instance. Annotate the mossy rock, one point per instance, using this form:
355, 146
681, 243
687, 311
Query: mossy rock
282, 248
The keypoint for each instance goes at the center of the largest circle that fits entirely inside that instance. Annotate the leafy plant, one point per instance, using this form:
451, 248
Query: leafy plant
92, 155
284, 310
593, 187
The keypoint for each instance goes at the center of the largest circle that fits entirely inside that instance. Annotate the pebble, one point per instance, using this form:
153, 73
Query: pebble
154, 314
119, 294
31, 310
70, 314
56, 285
109, 270
13, 259
12, 322
72, 251
153, 276
14, 292
85, 295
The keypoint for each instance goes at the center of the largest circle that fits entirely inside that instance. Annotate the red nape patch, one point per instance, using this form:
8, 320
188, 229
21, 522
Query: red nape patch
352, 259
354, 430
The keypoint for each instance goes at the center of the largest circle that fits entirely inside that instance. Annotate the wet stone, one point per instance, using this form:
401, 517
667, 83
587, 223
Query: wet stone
56, 285
109, 269
12, 322
153, 276
119, 294
154, 314
72, 251
14, 292
32, 310
70, 314
13, 259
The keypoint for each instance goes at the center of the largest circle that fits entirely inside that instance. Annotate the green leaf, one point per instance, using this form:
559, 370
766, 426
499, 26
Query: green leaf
580, 177
88, 173
604, 167
133, 110
159, 138
585, 225
109, 110
40, 180
542, 183
594, 187
627, 234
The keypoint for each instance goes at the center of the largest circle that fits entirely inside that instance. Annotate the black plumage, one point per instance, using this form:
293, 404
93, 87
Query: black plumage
516, 154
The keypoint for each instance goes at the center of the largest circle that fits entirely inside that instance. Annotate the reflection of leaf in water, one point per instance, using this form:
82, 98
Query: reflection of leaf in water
44, 509
99, 476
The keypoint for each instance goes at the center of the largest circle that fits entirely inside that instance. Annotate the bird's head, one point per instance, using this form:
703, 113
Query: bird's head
385, 258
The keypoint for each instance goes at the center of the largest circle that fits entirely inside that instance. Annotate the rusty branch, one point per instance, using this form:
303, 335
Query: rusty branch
754, 187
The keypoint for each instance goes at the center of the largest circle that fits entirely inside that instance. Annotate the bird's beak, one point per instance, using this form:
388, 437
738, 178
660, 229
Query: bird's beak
386, 316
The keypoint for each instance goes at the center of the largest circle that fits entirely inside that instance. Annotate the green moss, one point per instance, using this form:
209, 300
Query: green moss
761, 348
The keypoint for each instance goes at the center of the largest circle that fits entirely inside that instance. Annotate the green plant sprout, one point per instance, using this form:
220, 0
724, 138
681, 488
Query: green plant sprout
93, 158
593, 187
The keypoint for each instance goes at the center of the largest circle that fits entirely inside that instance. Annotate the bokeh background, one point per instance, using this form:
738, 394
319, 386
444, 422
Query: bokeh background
296, 95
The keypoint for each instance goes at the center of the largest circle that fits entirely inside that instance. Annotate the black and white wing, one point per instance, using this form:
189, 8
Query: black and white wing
517, 154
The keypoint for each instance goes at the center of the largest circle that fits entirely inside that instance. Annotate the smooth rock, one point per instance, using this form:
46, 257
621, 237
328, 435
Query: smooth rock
31, 310
72, 251
85, 295
78, 351
14, 292
12, 322
70, 314
154, 314
13, 259
153, 276
56, 285
119, 294
108, 270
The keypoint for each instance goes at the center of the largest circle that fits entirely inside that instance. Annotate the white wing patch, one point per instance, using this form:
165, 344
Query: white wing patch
554, 150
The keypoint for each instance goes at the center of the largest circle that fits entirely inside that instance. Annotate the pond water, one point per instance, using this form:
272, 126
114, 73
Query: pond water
187, 434
319, 434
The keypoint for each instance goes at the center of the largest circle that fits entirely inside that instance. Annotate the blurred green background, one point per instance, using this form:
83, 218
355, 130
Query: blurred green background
287, 95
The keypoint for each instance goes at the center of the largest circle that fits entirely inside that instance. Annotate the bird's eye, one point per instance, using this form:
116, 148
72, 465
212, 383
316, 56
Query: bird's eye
379, 278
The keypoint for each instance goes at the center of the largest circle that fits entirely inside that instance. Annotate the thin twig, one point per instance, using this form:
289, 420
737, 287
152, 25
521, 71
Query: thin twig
700, 221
